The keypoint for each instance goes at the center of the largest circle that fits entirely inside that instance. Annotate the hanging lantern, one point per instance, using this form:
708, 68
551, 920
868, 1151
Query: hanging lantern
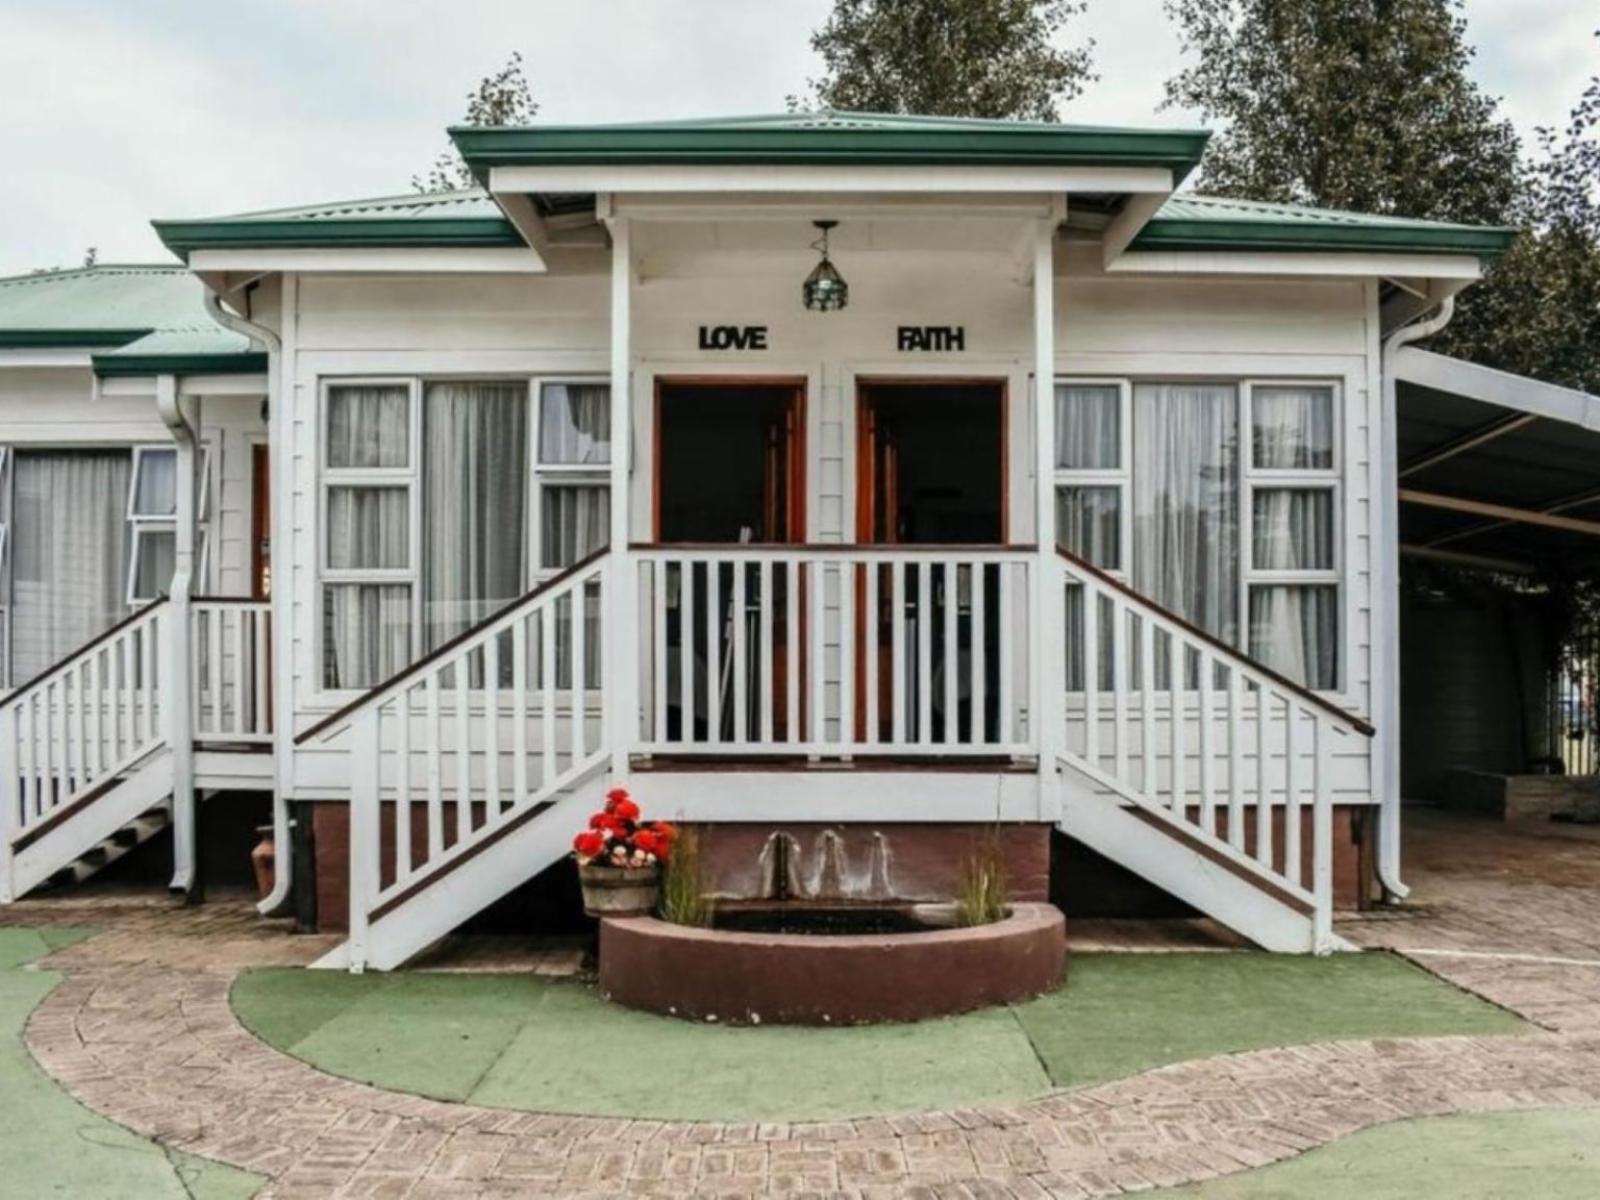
824, 289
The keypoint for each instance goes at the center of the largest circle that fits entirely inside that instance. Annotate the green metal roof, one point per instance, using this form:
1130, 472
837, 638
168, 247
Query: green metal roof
463, 218
154, 316
1192, 222
854, 139
185, 350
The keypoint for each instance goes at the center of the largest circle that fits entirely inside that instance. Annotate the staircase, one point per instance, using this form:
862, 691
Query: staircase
86, 746
1199, 769
489, 752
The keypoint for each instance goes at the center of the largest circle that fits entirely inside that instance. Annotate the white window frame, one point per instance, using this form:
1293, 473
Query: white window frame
1329, 479
1250, 478
140, 524
553, 475
407, 478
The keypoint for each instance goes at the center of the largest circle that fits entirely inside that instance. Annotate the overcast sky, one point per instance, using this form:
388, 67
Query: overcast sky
116, 111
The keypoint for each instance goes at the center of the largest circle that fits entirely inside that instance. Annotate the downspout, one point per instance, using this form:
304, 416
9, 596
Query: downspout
283, 745
179, 698
1388, 717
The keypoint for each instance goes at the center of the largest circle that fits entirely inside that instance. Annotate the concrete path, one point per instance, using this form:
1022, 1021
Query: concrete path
141, 1032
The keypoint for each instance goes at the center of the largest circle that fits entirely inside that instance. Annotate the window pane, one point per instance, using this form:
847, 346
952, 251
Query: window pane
369, 426
575, 522
1089, 524
1292, 428
1088, 427
1292, 529
1185, 501
368, 527
366, 633
474, 481
155, 489
155, 556
1295, 631
575, 423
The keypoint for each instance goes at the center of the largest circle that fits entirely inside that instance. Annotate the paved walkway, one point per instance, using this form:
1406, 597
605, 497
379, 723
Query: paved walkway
141, 1031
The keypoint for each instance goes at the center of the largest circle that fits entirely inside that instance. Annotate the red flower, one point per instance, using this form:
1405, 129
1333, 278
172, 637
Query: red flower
615, 797
588, 844
647, 841
625, 809
664, 830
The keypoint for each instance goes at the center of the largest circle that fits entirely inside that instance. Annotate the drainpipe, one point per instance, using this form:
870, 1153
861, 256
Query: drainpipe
179, 656
283, 717
1388, 652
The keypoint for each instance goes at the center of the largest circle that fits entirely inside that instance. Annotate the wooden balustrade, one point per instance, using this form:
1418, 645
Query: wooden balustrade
230, 660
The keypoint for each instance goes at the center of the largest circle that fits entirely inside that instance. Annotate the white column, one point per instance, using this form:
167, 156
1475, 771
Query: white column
622, 678
1049, 605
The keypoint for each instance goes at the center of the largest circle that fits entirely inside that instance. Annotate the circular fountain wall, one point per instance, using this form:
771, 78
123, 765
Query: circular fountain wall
830, 978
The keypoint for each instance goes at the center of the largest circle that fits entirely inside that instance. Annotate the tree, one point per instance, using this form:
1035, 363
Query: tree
949, 58
503, 98
1537, 311
1358, 104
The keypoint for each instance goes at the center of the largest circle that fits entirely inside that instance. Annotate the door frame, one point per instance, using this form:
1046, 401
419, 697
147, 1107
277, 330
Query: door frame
799, 493
864, 497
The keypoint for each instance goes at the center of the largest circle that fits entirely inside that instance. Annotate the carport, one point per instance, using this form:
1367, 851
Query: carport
1499, 529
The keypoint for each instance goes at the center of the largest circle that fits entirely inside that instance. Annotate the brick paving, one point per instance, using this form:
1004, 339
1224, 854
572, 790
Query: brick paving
141, 1031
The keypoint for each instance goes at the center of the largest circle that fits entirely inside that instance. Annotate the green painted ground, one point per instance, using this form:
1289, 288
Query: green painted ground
1493, 1156
548, 1045
67, 1150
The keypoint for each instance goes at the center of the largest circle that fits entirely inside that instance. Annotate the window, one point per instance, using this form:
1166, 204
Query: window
5, 566
445, 500
1292, 573
1218, 500
153, 521
369, 507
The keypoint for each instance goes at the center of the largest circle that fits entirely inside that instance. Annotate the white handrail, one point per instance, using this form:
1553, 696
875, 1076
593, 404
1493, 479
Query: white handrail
231, 662
456, 748
835, 651
1204, 739
83, 722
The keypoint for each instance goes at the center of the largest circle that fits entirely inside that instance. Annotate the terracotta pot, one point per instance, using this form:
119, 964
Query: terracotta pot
263, 860
619, 891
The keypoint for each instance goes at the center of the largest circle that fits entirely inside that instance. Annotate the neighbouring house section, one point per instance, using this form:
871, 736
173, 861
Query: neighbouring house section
847, 485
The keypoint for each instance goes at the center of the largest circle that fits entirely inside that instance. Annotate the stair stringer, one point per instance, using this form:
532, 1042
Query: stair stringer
405, 931
1176, 859
145, 785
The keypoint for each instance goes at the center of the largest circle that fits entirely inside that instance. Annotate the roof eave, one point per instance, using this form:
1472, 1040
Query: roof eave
185, 237
1159, 234
59, 339
121, 366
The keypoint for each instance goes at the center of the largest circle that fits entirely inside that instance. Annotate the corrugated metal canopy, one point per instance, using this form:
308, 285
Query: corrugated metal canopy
1470, 437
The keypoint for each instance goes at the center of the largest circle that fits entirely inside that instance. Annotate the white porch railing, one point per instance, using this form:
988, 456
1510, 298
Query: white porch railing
835, 651
231, 664
472, 740
1201, 737
80, 724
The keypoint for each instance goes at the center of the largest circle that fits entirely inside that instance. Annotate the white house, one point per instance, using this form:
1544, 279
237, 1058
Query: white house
574, 480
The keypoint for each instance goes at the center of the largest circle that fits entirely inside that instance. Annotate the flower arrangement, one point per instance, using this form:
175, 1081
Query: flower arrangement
616, 837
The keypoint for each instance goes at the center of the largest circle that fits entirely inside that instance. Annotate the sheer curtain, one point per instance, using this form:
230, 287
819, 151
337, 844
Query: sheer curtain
368, 633
474, 476
1291, 529
1088, 427
1292, 428
1185, 501
69, 552
575, 521
368, 426
575, 423
1294, 630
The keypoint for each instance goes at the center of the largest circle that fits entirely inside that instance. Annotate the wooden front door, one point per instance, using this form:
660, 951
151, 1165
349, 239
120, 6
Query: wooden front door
260, 522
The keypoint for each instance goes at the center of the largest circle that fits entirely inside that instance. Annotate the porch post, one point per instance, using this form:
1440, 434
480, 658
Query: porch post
621, 640
1049, 601
176, 693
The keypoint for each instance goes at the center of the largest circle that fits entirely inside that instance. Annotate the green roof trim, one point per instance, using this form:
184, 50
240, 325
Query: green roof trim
831, 138
114, 366
65, 339
442, 219
1191, 222
96, 307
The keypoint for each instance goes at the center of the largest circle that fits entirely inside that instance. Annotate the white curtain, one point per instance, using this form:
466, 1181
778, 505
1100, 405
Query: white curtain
369, 426
367, 634
369, 527
1185, 501
575, 521
69, 552
1293, 629
1291, 529
575, 423
1292, 428
156, 489
1089, 524
1088, 427
475, 472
